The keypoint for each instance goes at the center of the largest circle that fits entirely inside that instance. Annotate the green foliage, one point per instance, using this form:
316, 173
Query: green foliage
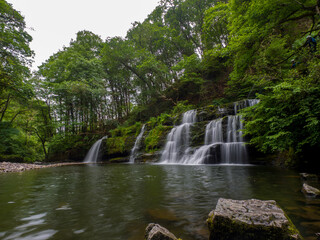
61, 143
184, 54
16, 145
287, 117
182, 107
215, 26
154, 137
191, 68
159, 127
14, 48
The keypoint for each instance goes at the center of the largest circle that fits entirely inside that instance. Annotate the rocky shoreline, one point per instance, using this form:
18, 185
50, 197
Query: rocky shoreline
7, 167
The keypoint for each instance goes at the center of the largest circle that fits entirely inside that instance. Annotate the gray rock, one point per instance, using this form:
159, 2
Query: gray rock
308, 176
310, 191
156, 232
250, 219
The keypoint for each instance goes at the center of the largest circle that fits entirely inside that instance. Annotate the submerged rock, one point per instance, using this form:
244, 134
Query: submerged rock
156, 232
250, 219
310, 191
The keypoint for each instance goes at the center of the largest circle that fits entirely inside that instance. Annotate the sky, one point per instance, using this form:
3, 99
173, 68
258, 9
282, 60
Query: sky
53, 23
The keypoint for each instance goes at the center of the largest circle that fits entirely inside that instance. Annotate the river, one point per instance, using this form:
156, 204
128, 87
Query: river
116, 202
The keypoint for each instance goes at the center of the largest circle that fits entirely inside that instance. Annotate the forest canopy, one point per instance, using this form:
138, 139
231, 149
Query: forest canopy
198, 52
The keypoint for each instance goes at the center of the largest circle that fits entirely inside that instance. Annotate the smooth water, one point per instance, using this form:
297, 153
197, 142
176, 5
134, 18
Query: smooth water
93, 156
116, 202
135, 150
177, 148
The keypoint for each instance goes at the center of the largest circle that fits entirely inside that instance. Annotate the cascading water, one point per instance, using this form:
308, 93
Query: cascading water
222, 144
234, 149
244, 104
94, 152
177, 146
135, 149
209, 152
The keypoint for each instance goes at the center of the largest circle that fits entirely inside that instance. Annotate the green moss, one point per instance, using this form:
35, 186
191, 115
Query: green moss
115, 145
156, 137
122, 139
225, 228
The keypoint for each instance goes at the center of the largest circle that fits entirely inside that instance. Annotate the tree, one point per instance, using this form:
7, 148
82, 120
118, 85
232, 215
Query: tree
15, 53
74, 77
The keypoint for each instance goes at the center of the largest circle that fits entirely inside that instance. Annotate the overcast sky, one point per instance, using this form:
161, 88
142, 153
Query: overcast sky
56, 22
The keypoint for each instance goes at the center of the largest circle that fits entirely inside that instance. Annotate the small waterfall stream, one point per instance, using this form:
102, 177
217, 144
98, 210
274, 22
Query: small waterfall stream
221, 144
177, 146
94, 152
135, 149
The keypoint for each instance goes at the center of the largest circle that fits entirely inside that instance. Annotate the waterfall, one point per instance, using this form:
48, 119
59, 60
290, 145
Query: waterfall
93, 154
214, 132
234, 149
211, 151
135, 149
177, 146
223, 142
244, 104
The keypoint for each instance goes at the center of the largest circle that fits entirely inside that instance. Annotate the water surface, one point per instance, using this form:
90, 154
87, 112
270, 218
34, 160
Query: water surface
118, 201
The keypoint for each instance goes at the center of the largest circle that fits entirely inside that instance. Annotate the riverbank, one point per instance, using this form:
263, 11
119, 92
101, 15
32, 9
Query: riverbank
6, 167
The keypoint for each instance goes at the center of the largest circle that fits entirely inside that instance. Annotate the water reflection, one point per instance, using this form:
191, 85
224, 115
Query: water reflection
118, 201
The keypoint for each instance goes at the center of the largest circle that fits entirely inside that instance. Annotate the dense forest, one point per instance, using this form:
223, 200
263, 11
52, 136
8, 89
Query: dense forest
185, 54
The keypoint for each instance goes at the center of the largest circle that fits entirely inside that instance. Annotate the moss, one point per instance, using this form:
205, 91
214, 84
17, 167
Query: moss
118, 160
198, 133
115, 145
225, 228
156, 137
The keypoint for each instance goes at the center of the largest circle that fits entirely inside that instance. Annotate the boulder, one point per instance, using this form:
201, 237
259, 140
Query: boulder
156, 232
250, 219
310, 191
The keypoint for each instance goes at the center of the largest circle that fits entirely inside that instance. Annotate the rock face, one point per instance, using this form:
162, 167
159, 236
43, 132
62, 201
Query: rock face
157, 232
310, 191
250, 219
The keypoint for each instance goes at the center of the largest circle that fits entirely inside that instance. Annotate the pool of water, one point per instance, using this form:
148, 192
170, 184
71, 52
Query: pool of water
118, 201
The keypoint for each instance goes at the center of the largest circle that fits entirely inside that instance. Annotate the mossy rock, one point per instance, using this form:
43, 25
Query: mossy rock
197, 134
119, 146
155, 138
118, 160
250, 219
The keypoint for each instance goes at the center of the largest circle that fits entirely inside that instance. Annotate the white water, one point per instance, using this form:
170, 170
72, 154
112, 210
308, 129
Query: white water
135, 149
93, 154
225, 146
177, 146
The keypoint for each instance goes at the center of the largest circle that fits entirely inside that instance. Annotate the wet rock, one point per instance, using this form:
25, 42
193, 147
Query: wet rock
250, 219
310, 191
156, 232
308, 176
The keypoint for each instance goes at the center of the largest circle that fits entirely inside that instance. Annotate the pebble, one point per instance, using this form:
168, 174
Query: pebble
6, 167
